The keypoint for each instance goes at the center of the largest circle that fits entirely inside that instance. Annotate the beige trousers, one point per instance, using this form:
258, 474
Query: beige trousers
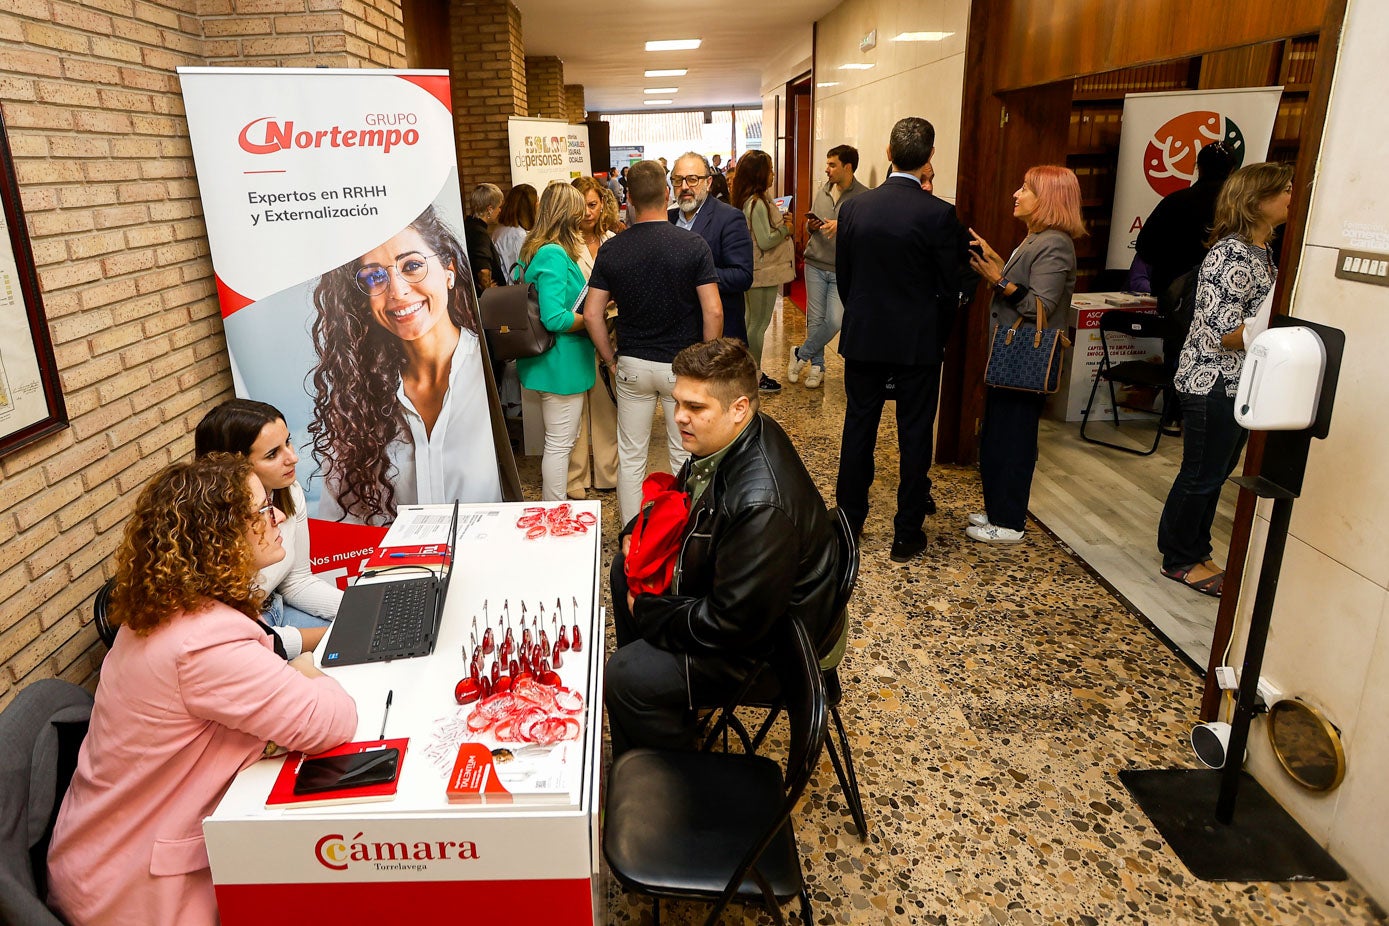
593, 461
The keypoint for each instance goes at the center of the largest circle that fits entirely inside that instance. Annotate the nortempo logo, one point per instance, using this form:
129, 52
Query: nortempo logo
1169, 162
336, 852
273, 136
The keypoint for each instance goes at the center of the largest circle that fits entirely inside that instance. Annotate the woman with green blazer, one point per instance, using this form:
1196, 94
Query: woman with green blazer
565, 372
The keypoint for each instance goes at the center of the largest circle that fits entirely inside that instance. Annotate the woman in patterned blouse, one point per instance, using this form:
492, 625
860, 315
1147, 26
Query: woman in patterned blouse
1234, 279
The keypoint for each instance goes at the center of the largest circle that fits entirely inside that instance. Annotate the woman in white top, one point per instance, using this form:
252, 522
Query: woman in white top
516, 219
298, 605
401, 415
593, 461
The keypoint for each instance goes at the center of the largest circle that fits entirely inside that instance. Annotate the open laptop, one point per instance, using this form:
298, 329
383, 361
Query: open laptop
391, 620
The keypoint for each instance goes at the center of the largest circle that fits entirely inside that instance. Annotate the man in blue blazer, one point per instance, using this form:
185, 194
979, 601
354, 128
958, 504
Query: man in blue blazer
901, 264
725, 230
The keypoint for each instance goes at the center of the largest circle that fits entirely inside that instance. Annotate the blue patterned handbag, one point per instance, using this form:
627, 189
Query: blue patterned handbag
1026, 357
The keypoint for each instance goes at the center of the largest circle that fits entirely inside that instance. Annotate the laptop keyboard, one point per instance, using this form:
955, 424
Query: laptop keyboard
404, 618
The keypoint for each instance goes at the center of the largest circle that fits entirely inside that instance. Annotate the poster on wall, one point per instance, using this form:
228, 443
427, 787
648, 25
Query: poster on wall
544, 150
31, 395
625, 155
1162, 134
335, 223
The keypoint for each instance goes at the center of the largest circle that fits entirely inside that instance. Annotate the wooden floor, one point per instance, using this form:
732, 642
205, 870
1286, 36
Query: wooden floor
1105, 505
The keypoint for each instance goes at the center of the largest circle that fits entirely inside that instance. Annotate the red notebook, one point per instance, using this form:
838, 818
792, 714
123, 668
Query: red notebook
282, 792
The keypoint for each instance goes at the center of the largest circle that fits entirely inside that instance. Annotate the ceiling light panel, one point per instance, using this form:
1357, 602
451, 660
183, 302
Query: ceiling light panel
921, 36
668, 72
657, 102
662, 90
673, 45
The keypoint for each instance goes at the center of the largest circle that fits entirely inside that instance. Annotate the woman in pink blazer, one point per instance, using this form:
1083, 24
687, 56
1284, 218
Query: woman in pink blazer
190, 694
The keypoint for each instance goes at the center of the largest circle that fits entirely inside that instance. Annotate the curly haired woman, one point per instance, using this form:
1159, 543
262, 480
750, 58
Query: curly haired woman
191, 693
401, 407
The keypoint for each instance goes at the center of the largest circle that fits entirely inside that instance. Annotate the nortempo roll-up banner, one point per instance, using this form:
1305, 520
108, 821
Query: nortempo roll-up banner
336, 228
1162, 133
543, 150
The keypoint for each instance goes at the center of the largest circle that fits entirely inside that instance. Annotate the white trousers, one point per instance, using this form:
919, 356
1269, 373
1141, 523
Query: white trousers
640, 383
561, 414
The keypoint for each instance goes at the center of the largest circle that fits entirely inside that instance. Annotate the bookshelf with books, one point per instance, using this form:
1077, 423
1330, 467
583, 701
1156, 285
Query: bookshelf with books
1097, 109
1299, 58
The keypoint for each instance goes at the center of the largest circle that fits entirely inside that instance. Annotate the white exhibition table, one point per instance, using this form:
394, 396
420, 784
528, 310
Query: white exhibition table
418, 858
1083, 359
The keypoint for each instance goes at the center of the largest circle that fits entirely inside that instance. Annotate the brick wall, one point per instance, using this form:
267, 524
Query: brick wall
574, 109
303, 33
545, 86
106, 176
488, 52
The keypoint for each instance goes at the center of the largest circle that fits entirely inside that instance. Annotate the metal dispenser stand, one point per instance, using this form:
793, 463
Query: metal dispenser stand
1194, 809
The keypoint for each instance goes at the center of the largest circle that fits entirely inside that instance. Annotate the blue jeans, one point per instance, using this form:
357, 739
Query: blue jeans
278, 614
1212, 442
824, 313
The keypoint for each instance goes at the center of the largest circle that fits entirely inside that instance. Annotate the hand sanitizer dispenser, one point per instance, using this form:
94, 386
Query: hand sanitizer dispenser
1280, 385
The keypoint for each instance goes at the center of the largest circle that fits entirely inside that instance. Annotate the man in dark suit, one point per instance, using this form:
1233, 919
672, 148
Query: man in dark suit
901, 264
725, 230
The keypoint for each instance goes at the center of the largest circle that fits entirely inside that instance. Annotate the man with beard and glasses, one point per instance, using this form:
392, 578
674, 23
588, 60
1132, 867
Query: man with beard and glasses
723, 228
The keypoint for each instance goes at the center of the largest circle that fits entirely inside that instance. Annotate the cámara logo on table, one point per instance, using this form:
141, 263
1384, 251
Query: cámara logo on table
1169, 161
339, 853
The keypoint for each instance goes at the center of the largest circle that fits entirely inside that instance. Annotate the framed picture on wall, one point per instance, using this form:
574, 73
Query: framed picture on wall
31, 396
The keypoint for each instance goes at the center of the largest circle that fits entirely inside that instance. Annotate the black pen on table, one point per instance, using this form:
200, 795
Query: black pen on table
386, 713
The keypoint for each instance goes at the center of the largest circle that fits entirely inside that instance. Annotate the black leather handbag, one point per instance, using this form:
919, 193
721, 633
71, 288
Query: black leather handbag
511, 321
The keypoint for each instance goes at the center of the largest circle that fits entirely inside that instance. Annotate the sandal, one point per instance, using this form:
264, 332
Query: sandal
1210, 585
1179, 573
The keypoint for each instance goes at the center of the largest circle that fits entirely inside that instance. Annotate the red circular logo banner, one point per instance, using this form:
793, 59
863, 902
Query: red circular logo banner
1169, 162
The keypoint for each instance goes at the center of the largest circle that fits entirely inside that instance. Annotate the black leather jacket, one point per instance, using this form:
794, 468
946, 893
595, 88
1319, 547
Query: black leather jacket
759, 544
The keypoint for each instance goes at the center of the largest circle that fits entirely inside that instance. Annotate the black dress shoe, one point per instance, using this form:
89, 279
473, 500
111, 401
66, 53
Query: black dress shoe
905, 549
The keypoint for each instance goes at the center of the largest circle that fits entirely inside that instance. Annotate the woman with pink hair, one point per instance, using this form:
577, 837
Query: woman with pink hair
1042, 267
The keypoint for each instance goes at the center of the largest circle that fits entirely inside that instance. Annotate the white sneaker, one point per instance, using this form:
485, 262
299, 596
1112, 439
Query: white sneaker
794, 367
993, 534
815, 377
979, 519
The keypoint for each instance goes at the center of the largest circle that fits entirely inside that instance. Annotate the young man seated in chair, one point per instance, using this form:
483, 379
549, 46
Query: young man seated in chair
758, 547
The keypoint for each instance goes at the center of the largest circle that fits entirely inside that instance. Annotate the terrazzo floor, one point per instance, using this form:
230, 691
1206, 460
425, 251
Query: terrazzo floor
992, 695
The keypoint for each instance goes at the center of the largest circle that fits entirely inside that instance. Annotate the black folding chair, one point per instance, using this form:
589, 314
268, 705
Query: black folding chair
716, 826
100, 605
1132, 373
831, 649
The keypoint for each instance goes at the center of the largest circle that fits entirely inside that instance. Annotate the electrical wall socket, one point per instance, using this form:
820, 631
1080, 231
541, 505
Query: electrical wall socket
1269, 693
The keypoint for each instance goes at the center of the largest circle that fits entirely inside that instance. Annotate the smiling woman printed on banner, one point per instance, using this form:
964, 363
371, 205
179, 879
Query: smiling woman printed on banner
401, 400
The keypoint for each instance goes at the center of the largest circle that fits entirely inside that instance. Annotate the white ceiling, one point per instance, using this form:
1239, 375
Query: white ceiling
602, 46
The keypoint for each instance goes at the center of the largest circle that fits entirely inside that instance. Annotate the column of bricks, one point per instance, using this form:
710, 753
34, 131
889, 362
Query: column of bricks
489, 87
304, 33
574, 109
545, 86
106, 177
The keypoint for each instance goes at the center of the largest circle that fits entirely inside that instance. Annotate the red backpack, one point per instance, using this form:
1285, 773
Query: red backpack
655, 545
